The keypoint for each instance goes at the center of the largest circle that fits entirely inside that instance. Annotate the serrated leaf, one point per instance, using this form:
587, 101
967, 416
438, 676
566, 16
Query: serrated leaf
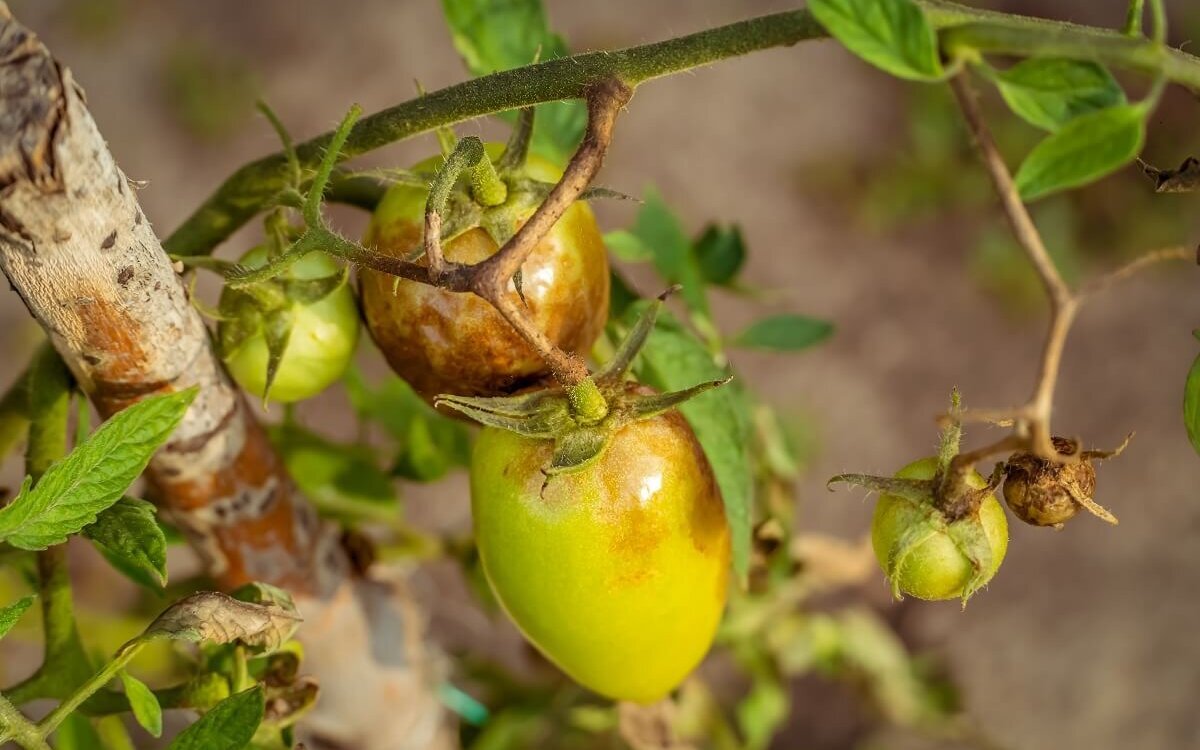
494, 35
230, 725
784, 333
143, 704
674, 359
210, 617
1191, 404
1087, 148
10, 614
128, 531
1050, 92
892, 35
429, 443
720, 253
658, 229
94, 475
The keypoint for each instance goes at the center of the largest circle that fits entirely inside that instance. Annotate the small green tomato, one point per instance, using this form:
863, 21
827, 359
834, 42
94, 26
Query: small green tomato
322, 341
936, 568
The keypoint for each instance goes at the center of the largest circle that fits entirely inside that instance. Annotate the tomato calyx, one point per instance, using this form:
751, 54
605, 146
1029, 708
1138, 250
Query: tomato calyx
270, 306
582, 419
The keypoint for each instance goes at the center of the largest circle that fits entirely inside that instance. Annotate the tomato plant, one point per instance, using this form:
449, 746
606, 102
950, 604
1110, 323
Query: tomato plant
632, 495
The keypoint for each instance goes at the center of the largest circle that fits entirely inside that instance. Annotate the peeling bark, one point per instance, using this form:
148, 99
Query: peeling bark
77, 248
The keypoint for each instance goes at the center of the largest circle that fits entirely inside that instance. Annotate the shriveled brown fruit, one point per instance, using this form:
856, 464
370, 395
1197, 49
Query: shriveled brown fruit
1045, 493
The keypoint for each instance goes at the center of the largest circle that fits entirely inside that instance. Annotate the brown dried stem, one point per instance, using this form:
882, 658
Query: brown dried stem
491, 278
1031, 421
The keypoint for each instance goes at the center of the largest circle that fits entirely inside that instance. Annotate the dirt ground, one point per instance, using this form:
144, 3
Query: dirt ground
1086, 639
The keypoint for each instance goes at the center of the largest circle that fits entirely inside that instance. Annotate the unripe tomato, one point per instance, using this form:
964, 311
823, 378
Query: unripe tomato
321, 344
446, 342
936, 568
618, 571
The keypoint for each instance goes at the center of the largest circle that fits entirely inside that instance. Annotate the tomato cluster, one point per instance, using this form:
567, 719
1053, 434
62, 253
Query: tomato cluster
615, 568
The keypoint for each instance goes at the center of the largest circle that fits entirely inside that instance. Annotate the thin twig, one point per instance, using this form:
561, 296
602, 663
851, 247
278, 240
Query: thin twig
1103, 282
1014, 209
1031, 421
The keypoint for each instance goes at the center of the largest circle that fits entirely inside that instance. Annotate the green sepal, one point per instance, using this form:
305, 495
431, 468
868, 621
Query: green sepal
971, 539
619, 365
578, 448
581, 431
914, 536
309, 291
240, 321
277, 330
919, 491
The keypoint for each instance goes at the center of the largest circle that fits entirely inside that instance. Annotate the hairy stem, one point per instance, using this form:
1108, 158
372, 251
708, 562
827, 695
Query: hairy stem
16, 727
253, 186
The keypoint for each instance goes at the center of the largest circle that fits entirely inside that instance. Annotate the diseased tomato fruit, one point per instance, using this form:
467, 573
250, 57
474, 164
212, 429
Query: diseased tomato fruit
1044, 493
936, 568
319, 347
616, 571
446, 342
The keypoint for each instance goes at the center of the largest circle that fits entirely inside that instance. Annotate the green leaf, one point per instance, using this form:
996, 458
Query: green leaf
331, 474
145, 706
1191, 404
721, 252
764, 710
128, 531
892, 35
659, 229
494, 35
10, 614
1084, 150
674, 359
1050, 92
93, 476
628, 246
784, 333
230, 724
430, 444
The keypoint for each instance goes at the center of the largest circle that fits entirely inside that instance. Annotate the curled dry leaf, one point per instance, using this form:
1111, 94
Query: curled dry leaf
832, 562
650, 727
208, 616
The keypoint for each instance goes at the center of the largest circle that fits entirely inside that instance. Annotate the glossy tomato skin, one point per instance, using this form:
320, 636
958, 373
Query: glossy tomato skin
446, 342
936, 569
616, 572
324, 335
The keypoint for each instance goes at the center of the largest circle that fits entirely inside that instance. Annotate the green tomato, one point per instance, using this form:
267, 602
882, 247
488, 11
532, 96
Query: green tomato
321, 344
448, 342
617, 572
936, 569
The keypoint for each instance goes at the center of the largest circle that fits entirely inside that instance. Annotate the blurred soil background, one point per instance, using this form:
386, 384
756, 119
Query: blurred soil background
861, 203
